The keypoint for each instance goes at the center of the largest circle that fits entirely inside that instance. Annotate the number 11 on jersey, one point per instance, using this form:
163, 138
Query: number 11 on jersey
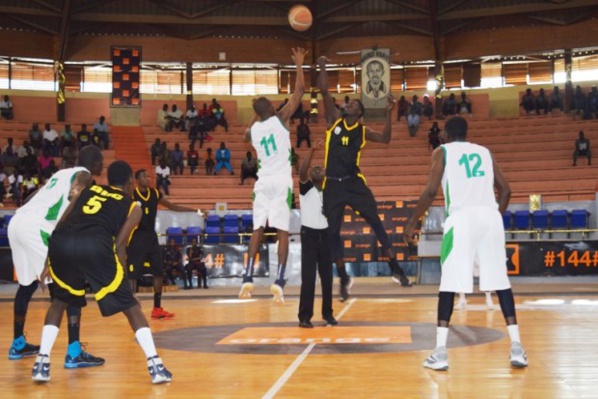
269, 142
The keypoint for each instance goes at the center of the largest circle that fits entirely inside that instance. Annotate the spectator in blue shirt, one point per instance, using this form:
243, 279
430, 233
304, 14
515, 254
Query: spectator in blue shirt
223, 159
177, 160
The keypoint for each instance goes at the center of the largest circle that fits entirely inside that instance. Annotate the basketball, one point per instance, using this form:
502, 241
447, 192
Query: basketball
300, 18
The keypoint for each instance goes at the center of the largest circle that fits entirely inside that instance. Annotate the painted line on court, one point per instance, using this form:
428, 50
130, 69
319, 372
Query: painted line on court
297, 362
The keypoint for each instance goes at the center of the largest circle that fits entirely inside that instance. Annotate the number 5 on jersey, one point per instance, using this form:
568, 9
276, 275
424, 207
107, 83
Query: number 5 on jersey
93, 205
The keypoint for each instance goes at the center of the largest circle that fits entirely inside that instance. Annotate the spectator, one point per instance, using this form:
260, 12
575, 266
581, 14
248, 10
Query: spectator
155, 151
43, 160
218, 117
96, 138
303, 133
582, 148
163, 176
195, 255
593, 101
166, 154
223, 159
449, 106
9, 161
427, 108
3, 180
248, 167
51, 142
413, 121
6, 108
579, 101
403, 108
24, 150
9, 144
556, 100
209, 163
15, 181
464, 106
28, 163
299, 114
177, 160
282, 104
199, 131
205, 115
528, 102
102, 127
30, 184
175, 119
191, 118
173, 261
434, 139
416, 106
192, 159
36, 137
67, 137
49, 170
69, 157
542, 102
163, 118
83, 137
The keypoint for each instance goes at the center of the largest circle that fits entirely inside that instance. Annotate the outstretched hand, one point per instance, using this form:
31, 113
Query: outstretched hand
391, 102
298, 56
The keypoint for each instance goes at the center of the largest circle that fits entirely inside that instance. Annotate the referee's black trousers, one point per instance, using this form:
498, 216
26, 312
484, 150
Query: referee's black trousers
315, 256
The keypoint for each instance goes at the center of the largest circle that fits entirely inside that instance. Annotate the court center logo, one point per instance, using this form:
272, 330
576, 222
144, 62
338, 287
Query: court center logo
346, 338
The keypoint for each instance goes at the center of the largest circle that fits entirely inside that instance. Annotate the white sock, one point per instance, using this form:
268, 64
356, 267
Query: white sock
514, 333
441, 336
49, 334
461, 297
488, 297
146, 341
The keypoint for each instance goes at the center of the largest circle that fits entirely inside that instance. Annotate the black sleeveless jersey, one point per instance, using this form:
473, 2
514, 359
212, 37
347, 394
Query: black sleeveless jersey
343, 149
149, 208
98, 209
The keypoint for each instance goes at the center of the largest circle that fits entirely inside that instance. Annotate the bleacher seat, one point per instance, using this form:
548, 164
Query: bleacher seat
540, 219
193, 232
521, 220
3, 238
507, 220
231, 235
175, 233
7, 220
231, 221
579, 219
559, 219
212, 235
213, 221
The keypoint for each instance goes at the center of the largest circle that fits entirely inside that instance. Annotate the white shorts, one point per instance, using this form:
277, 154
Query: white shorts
272, 202
474, 236
27, 246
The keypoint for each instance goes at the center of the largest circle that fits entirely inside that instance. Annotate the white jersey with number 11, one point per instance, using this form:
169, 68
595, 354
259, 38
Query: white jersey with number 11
272, 143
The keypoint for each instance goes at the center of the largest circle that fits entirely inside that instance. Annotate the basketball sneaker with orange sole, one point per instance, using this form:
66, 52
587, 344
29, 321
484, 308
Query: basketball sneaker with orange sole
160, 313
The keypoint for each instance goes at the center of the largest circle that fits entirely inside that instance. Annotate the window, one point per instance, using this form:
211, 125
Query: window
491, 74
97, 80
397, 79
416, 78
287, 81
211, 82
3, 74
255, 82
559, 71
26, 76
584, 69
452, 76
169, 82
540, 72
515, 74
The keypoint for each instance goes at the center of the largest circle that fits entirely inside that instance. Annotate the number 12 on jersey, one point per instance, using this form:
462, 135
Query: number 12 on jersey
476, 160
266, 143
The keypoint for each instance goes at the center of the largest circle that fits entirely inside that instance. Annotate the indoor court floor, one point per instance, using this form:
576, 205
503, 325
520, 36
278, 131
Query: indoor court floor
220, 347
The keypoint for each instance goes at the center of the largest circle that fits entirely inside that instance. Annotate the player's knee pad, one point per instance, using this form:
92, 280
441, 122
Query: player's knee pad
73, 311
445, 305
507, 302
23, 296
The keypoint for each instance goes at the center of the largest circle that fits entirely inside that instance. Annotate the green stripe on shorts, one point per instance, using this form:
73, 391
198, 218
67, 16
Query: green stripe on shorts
447, 245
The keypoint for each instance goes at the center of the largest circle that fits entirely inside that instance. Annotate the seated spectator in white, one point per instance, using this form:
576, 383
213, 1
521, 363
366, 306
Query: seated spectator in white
542, 102
175, 119
67, 137
6, 108
36, 137
248, 167
192, 159
434, 139
413, 121
464, 106
156, 151
556, 100
223, 159
449, 106
49, 170
51, 141
528, 102
163, 118
96, 138
102, 127
15, 181
218, 117
427, 108
24, 150
30, 184
163, 177
582, 148
9, 160
69, 157
303, 133
178, 158
83, 137
191, 117
9, 144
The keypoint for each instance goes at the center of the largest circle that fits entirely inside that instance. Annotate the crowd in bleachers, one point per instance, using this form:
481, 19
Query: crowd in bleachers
582, 104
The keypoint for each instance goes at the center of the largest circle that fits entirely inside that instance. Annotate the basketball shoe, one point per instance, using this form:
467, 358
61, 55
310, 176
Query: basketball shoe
518, 355
20, 349
277, 292
82, 359
41, 369
246, 288
346, 284
160, 313
157, 370
438, 360
401, 278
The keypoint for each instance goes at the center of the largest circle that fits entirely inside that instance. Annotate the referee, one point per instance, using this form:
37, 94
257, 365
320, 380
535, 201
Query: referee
345, 184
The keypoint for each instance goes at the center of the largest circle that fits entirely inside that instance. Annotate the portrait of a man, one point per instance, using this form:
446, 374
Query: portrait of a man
375, 86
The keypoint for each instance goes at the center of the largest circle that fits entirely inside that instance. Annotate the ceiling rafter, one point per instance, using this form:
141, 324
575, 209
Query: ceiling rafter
410, 6
33, 24
415, 29
455, 27
28, 11
90, 4
515, 9
336, 31
48, 6
64, 29
170, 7
337, 8
452, 6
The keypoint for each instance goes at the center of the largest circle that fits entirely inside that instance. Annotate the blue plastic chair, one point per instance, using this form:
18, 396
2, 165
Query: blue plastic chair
7, 218
3, 238
507, 220
231, 235
231, 221
521, 220
579, 219
540, 219
212, 235
193, 232
175, 233
559, 219
213, 221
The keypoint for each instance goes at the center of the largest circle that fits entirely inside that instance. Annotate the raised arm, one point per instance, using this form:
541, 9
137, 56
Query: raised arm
502, 186
288, 110
174, 207
247, 135
427, 197
383, 137
304, 170
332, 113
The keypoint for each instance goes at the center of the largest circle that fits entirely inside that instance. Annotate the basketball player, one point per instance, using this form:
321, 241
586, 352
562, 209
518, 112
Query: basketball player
473, 232
273, 191
143, 247
345, 184
89, 245
29, 231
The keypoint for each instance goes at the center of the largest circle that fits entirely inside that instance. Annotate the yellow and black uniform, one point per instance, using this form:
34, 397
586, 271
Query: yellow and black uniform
144, 255
82, 248
345, 184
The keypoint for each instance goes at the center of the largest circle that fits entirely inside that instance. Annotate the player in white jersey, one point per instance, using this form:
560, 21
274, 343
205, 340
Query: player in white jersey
273, 191
473, 233
28, 233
